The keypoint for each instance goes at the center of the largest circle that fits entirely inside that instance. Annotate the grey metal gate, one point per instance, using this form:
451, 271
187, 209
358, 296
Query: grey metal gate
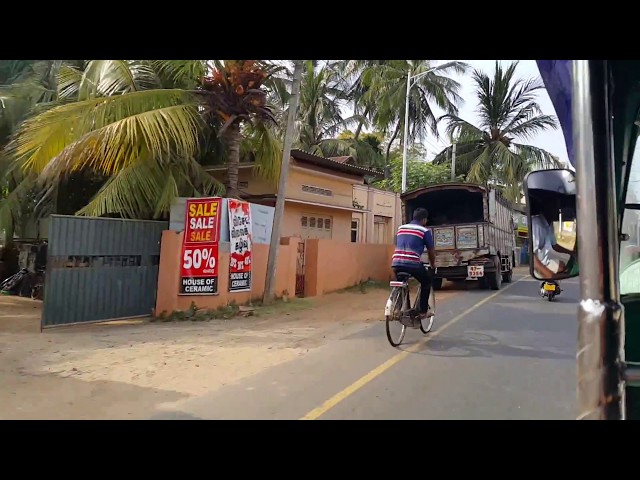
100, 269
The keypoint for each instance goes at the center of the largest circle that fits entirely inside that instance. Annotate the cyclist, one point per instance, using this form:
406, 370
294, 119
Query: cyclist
411, 240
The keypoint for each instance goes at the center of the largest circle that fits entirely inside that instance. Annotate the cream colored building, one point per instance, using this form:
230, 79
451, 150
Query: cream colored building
320, 199
379, 216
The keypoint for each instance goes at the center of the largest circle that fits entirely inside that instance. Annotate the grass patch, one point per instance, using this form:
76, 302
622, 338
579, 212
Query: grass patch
233, 310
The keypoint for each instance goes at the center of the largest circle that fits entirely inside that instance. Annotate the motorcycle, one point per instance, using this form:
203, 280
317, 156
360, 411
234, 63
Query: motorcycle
549, 289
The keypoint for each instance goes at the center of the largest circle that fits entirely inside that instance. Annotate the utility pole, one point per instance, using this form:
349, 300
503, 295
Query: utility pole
269, 284
406, 133
453, 163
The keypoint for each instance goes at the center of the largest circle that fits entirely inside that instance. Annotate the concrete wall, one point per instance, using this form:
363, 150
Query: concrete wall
330, 265
333, 265
168, 299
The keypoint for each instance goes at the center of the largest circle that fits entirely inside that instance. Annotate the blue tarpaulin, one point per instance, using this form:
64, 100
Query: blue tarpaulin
556, 75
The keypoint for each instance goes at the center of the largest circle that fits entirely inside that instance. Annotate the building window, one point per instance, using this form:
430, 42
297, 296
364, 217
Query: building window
243, 184
317, 190
315, 226
354, 231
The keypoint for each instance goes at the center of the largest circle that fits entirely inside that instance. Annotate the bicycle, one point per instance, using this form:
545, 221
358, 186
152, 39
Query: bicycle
13, 282
397, 309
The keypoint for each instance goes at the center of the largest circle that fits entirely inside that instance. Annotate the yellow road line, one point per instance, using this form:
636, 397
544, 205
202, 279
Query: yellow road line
380, 369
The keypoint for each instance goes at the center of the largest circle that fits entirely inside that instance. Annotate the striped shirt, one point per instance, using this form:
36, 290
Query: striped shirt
410, 244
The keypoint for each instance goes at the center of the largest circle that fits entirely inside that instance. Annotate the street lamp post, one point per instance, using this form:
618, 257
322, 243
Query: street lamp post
411, 81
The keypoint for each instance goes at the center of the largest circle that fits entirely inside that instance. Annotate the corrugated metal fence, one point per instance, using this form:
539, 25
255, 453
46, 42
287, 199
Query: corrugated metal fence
100, 269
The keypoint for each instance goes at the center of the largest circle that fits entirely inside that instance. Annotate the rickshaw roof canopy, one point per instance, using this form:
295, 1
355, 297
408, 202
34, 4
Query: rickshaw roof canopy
624, 79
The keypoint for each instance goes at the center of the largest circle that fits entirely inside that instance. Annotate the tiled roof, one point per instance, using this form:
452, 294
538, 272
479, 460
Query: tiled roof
333, 164
344, 159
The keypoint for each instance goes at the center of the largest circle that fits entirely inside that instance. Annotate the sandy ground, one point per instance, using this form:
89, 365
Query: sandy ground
125, 370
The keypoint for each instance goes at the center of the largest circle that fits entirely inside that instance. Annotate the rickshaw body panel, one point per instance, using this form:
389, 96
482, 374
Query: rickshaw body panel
624, 78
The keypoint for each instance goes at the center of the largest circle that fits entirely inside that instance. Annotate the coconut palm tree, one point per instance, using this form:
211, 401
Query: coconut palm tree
352, 75
146, 126
320, 121
319, 117
26, 87
232, 95
508, 112
386, 88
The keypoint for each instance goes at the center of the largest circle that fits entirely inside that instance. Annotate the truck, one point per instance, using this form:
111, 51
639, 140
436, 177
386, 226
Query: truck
473, 232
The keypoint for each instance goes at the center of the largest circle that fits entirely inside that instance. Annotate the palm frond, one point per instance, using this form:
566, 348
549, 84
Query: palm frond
537, 158
481, 168
108, 133
181, 73
529, 128
22, 199
458, 127
267, 150
146, 188
106, 78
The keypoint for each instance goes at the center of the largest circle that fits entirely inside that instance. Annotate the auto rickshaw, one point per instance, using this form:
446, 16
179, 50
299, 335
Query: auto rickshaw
598, 104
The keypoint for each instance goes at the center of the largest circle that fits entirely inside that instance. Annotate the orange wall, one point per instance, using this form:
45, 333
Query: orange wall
168, 299
332, 265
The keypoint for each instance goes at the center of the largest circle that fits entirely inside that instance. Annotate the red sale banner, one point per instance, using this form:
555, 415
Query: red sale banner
240, 245
199, 270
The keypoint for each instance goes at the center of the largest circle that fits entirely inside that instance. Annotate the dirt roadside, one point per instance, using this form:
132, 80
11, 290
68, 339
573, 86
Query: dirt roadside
123, 370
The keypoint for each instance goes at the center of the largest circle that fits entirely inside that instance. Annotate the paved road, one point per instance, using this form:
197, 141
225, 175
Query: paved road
491, 355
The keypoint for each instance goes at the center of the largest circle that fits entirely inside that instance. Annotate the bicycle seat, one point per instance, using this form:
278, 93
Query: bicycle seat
403, 277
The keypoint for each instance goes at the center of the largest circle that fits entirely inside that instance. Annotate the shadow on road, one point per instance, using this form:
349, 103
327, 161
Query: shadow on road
517, 323
485, 345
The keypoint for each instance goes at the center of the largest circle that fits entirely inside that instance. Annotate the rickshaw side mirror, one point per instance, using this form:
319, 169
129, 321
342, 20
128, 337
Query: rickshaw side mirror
550, 196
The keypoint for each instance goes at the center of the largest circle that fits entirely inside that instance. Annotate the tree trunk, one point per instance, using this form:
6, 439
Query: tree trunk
387, 172
360, 124
233, 144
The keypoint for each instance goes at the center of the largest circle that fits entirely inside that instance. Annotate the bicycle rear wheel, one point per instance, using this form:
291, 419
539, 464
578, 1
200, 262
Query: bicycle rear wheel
398, 299
426, 324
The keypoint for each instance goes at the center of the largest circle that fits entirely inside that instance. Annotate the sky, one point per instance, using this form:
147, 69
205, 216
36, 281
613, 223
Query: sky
550, 140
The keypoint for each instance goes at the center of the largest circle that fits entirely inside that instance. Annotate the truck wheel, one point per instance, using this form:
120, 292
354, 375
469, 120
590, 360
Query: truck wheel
495, 279
507, 276
437, 283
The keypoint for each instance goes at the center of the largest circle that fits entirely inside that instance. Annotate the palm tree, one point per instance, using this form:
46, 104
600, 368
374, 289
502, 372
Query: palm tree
26, 87
320, 123
352, 75
508, 111
232, 95
319, 117
386, 85
148, 126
